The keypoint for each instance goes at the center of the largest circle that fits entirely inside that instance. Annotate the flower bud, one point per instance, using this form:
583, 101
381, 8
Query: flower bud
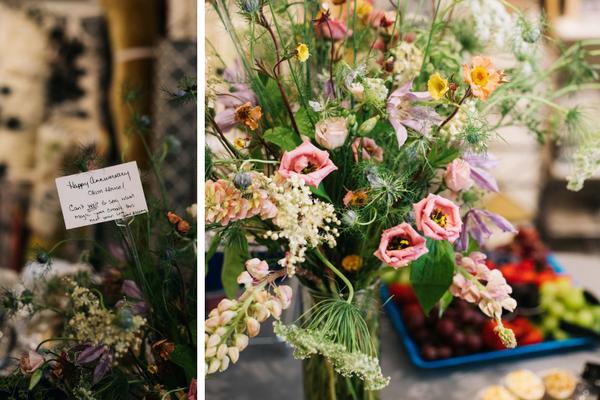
224, 305
244, 278
214, 340
532, 34
263, 314
212, 322
257, 268
234, 354
253, 327
214, 312
241, 341
367, 126
261, 296
275, 307
351, 120
224, 364
284, 293
242, 180
221, 331
123, 318
226, 317
214, 366
350, 218
222, 351
210, 352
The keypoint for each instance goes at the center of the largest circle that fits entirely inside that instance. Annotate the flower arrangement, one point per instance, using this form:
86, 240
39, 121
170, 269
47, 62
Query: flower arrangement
362, 144
128, 325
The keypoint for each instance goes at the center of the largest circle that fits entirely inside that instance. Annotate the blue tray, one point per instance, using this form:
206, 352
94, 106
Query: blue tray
414, 354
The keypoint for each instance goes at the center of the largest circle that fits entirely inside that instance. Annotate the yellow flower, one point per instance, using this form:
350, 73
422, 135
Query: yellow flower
302, 52
352, 263
239, 143
152, 368
363, 8
437, 86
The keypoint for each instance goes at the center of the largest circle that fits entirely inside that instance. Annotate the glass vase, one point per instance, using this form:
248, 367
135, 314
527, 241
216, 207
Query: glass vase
320, 380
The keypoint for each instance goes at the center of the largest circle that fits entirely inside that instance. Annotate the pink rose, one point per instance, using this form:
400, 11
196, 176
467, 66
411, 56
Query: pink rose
30, 362
331, 133
399, 245
338, 29
308, 163
369, 148
458, 175
438, 218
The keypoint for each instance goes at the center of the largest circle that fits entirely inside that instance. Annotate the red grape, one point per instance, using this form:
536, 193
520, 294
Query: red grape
445, 327
428, 352
444, 352
474, 342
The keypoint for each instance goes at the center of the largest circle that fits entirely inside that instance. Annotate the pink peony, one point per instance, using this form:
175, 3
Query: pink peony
438, 218
399, 245
331, 133
308, 163
458, 176
338, 29
30, 362
369, 148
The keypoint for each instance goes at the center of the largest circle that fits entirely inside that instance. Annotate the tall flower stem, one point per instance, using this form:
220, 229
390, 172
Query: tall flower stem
332, 57
338, 273
285, 99
428, 43
456, 108
267, 26
183, 305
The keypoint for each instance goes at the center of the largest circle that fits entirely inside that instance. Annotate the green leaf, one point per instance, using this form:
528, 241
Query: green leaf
306, 120
473, 245
236, 255
285, 138
214, 245
183, 356
380, 128
441, 154
431, 274
445, 302
320, 191
194, 329
35, 378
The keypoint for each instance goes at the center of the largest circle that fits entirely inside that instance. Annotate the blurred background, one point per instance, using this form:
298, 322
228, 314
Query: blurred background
64, 67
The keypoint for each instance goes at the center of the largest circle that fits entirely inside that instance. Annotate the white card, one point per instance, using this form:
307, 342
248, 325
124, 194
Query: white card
101, 195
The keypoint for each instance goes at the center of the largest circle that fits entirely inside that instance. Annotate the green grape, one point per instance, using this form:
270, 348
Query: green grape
549, 324
574, 299
570, 316
563, 287
549, 289
584, 318
560, 335
557, 309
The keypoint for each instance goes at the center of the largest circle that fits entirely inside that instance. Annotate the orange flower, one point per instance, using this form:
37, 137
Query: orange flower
482, 77
181, 226
352, 263
356, 199
248, 115
163, 348
173, 219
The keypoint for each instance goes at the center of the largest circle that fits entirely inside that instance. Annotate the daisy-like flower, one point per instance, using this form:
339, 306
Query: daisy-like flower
352, 263
404, 114
482, 77
248, 115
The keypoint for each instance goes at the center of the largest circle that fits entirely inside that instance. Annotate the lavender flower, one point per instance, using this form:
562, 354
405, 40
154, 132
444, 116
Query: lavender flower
482, 178
473, 224
404, 114
240, 95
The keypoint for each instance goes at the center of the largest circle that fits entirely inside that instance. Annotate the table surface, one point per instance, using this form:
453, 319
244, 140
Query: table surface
271, 372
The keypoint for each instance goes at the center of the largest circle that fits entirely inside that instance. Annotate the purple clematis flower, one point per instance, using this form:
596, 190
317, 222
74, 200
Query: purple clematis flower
240, 95
473, 224
480, 176
404, 114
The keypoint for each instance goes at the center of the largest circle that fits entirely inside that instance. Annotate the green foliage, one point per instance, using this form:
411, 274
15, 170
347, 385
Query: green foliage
214, 244
320, 191
445, 302
236, 255
184, 356
431, 274
285, 138
473, 245
306, 118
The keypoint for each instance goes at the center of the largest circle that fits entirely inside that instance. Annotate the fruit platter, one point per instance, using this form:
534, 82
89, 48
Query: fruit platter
554, 312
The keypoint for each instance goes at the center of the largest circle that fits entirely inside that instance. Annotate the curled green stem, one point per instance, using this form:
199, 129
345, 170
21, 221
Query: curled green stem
338, 273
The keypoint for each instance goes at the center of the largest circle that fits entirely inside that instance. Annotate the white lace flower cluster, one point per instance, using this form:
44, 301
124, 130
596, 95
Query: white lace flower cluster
408, 60
309, 342
304, 221
224, 329
211, 83
492, 21
456, 126
93, 323
372, 90
585, 164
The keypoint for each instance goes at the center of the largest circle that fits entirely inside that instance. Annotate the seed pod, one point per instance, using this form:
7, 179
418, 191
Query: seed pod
367, 126
242, 180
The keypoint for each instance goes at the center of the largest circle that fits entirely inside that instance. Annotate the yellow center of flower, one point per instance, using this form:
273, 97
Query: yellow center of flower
310, 168
479, 76
404, 109
359, 198
398, 243
352, 263
302, 52
242, 114
439, 218
239, 143
363, 8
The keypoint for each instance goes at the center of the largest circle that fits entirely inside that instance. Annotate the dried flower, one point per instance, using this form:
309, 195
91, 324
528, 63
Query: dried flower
163, 348
248, 115
152, 368
30, 362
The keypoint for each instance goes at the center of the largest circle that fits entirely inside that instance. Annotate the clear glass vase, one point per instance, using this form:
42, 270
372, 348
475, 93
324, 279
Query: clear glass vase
320, 380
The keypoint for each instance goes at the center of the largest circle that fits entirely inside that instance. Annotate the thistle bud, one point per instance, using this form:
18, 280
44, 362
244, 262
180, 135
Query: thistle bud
263, 314
214, 340
234, 354
226, 317
124, 318
253, 327
222, 351
210, 352
367, 126
241, 341
214, 366
224, 305
224, 364
350, 218
249, 5
42, 257
531, 34
242, 180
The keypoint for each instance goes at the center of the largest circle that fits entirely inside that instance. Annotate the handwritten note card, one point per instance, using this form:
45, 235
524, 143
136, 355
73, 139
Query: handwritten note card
101, 195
